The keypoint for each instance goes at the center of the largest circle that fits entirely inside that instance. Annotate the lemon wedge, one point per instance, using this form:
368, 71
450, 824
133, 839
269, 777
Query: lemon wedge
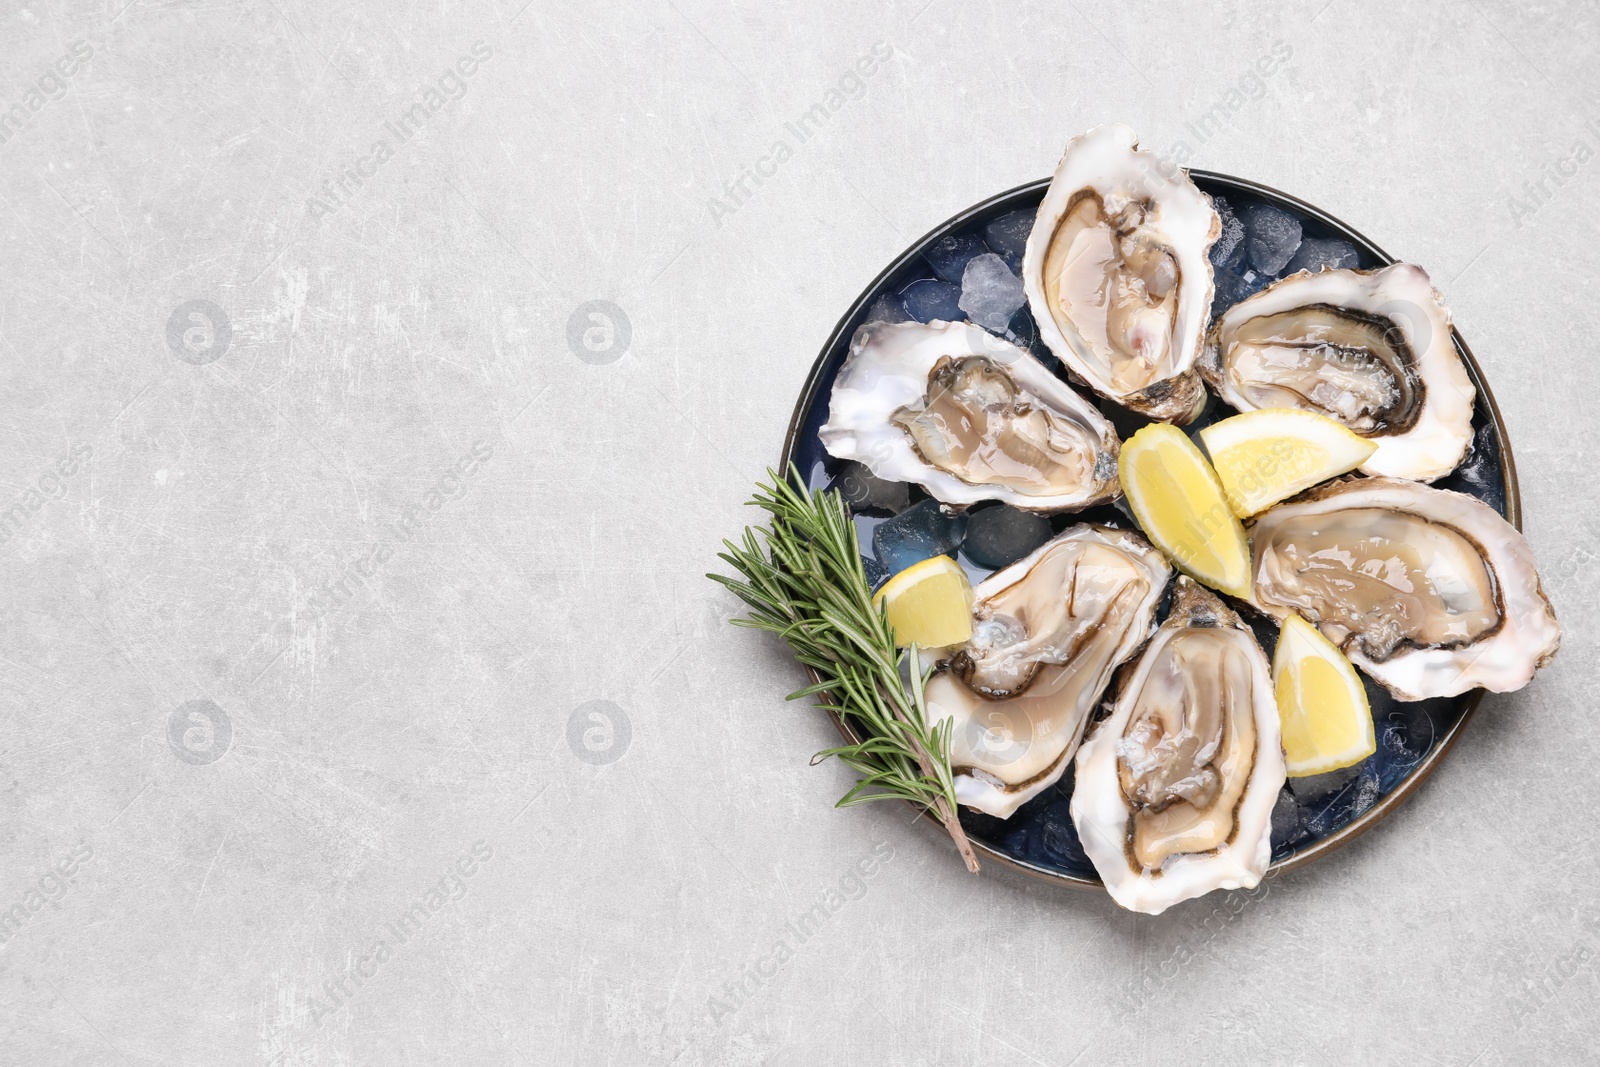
1321, 703
1270, 455
929, 603
1179, 502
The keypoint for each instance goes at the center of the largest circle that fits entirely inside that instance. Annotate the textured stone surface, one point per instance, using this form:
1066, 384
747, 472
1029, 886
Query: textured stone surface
251, 771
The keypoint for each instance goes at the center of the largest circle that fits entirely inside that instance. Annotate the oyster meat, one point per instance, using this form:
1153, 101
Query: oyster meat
1117, 273
1370, 349
1428, 591
969, 417
1175, 788
1047, 633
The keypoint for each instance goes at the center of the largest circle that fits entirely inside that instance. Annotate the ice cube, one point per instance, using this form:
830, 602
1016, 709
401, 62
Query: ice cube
1232, 288
932, 299
1060, 841
1229, 249
876, 575
1008, 235
865, 522
887, 308
1022, 331
1335, 807
1318, 787
990, 293
1003, 534
949, 254
920, 532
1271, 237
865, 491
1406, 733
1316, 253
1367, 791
1479, 471
1288, 821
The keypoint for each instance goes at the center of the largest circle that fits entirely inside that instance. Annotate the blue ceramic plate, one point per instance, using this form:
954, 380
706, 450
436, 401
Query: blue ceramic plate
1412, 737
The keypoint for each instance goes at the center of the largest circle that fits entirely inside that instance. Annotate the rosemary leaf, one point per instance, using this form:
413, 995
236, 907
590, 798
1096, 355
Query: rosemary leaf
804, 581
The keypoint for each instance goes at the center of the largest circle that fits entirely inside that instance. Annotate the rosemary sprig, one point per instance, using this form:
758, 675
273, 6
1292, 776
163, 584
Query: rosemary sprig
803, 581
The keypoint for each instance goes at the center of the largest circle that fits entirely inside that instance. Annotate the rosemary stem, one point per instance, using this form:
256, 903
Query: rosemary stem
803, 580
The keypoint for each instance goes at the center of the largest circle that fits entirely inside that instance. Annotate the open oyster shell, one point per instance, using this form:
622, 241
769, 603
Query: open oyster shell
1428, 591
1175, 788
969, 417
1370, 349
1117, 275
1048, 631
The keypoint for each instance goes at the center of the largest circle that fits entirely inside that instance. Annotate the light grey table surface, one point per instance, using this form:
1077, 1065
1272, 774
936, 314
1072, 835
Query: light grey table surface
394, 535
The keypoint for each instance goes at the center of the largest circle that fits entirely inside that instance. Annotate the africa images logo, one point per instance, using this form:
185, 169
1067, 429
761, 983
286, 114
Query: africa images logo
50, 87
51, 485
849, 87
199, 732
450, 86
407, 925
47, 890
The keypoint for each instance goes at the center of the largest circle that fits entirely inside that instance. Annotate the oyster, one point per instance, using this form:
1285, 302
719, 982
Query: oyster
1429, 592
1047, 633
1175, 788
1117, 275
1370, 349
969, 417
